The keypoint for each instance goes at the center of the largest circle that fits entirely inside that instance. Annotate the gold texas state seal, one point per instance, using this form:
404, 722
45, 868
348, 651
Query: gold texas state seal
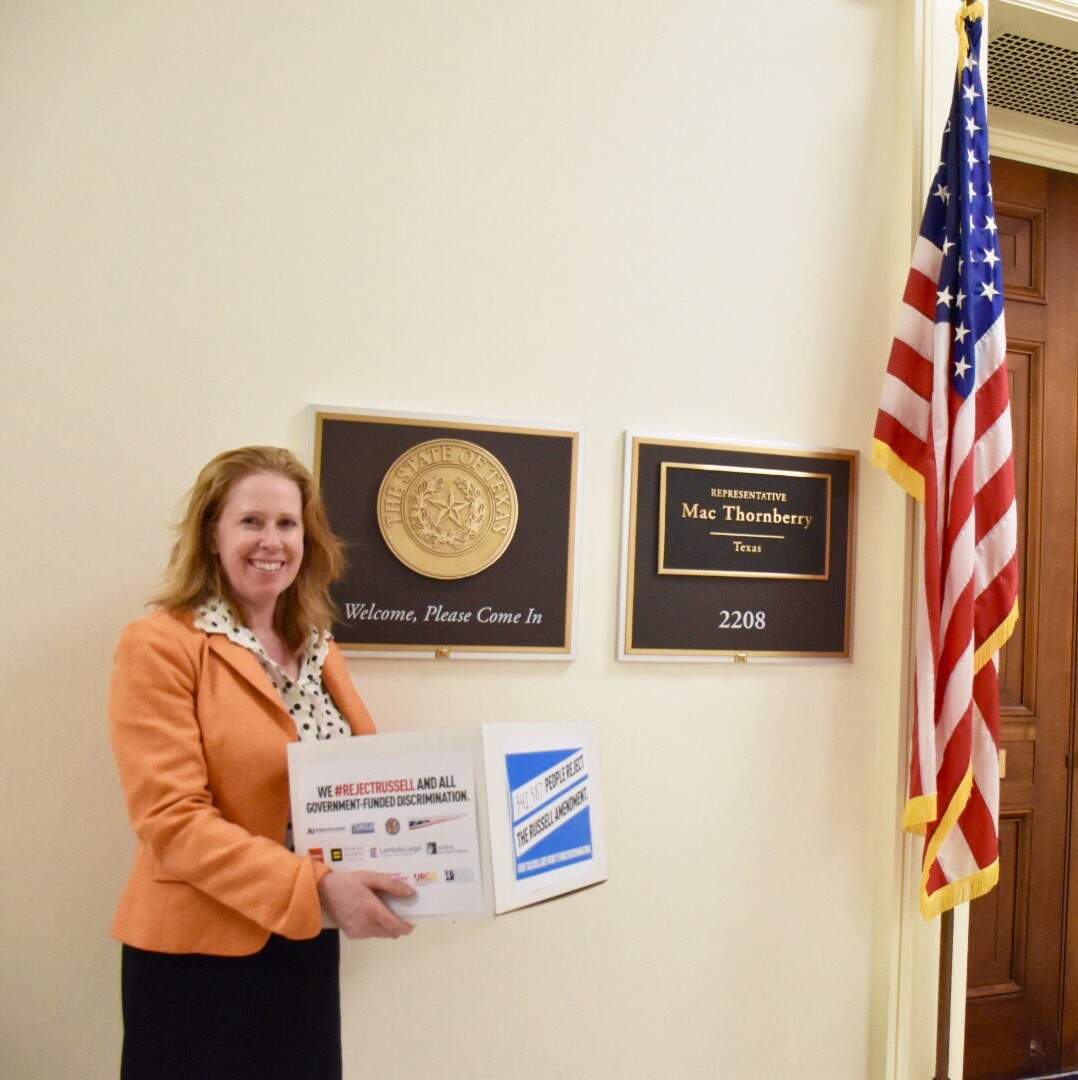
447, 509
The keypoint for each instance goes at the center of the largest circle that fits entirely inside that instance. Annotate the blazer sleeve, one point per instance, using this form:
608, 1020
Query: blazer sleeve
345, 696
158, 745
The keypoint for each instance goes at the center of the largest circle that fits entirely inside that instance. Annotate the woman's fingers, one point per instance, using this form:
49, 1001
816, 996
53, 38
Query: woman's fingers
351, 898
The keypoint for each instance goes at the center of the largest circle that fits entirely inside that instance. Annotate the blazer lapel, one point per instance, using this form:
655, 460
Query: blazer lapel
246, 665
338, 682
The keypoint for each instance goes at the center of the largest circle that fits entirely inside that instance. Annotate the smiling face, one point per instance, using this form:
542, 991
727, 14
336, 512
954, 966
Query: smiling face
258, 539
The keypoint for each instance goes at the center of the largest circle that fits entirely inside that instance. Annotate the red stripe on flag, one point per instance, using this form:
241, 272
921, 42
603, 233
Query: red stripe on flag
993, 501
902, 441
992, 400
986, 694
955, 639
936, 879
910, 367
955, 763
977, 820
921, 294
992, 607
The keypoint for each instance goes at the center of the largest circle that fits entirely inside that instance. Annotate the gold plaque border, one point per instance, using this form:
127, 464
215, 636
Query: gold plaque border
633, 443
317, 415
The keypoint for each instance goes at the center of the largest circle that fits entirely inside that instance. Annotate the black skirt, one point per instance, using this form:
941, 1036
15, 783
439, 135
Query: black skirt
198, 1017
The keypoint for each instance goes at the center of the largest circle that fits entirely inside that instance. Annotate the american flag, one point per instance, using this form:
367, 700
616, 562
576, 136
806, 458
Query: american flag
944, 433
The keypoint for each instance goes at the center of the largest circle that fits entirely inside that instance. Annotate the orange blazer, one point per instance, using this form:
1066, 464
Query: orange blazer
200, 736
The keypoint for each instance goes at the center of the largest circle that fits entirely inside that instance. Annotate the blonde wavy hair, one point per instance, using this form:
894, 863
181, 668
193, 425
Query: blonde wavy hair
193, 574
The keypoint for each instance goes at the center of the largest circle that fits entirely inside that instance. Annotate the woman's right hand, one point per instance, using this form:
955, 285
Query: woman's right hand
350, 898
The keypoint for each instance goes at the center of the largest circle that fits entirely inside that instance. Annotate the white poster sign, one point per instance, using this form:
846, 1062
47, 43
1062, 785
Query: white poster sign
411, 816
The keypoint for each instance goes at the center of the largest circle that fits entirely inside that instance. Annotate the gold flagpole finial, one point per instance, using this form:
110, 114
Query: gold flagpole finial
971, 11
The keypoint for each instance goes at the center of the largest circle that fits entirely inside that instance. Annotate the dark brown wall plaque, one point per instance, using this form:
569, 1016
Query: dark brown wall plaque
736, 551
460, 536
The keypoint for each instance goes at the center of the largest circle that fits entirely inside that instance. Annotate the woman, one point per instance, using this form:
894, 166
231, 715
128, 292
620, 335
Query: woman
227, 970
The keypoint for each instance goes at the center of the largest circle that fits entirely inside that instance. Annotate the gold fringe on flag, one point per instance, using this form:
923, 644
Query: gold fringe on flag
967, 888
996, 640
946, 825
918, 813
959, 892
907, 478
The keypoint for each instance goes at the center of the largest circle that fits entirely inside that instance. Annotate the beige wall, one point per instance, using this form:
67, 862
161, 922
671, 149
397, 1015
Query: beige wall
691, 217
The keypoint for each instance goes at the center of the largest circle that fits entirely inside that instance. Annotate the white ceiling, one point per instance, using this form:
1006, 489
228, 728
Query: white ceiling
1036, 52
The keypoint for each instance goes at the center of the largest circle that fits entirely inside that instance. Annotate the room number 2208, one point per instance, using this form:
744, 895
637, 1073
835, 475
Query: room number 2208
742, 620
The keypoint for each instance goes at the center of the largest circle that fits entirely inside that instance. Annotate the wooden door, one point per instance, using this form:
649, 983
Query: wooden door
1023, 950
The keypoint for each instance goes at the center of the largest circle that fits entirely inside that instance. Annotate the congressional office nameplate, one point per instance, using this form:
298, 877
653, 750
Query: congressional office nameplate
735, 522
733, 551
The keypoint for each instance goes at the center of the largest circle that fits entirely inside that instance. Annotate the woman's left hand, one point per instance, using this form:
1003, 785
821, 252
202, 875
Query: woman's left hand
350, 898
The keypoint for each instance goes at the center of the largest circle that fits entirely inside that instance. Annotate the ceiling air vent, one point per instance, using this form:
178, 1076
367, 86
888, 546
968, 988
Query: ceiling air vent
1033, 77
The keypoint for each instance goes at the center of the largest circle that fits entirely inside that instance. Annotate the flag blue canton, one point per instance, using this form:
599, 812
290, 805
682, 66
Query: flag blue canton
960, 219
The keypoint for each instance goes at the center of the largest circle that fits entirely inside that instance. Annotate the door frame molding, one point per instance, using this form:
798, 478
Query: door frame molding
1032, 149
